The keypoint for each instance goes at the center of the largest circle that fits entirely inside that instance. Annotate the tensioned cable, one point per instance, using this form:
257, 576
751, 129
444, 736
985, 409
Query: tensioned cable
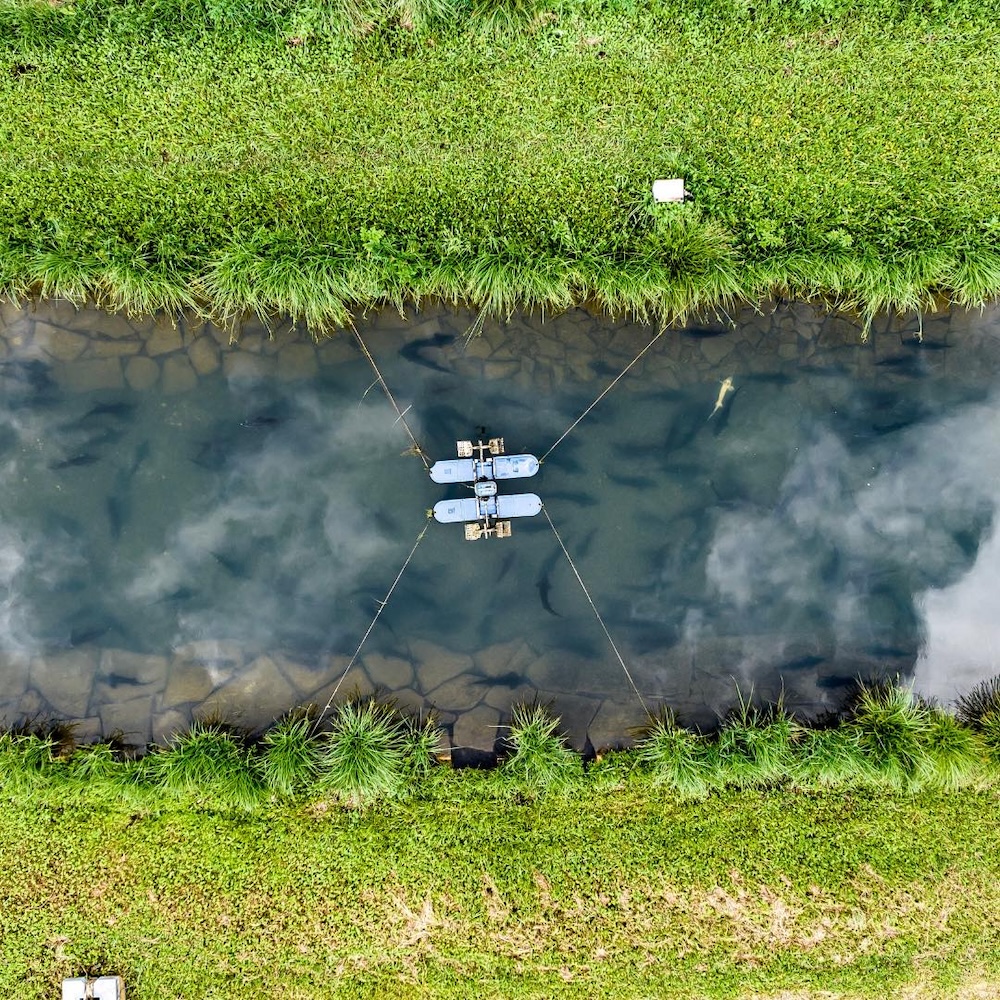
399, 413
618, 378
586, 592
381, 608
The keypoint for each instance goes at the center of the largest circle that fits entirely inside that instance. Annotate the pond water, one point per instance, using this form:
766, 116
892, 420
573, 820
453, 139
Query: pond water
193, 526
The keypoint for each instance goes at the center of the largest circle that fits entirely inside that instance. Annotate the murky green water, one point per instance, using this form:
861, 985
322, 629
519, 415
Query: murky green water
191, 525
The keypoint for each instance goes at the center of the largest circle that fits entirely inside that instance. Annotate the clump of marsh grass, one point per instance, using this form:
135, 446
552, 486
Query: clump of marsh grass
291, 756
207, 763
829, 757
973, 707
754, 746
954, 751
423, 742
98, 763
541, 760
674, 756
989, 733
892, 725
364, 753
27, 761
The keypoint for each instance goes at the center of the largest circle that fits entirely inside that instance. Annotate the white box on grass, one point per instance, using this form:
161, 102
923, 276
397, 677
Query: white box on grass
669, 189
102, 988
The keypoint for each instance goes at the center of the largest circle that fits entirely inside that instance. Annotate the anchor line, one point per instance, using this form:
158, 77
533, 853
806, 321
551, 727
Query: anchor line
608, 389
400, 414
364, 638
600, 620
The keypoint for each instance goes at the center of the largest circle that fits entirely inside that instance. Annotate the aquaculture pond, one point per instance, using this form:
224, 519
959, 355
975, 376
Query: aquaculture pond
194, 526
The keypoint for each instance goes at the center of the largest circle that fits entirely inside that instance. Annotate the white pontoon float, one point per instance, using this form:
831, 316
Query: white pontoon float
483, 464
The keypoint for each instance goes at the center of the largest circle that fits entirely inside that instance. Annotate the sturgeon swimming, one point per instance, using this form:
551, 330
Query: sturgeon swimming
725, 388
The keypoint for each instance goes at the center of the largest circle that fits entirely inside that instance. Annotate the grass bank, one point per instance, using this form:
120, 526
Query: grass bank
855, 860
315, 158
611, 891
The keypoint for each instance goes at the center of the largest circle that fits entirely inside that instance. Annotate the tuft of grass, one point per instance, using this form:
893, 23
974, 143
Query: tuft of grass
423, 746
954, 752
208, 764
27, 761
829, 758
675, 757
96, 764
989, 730
892, 725
540, 759
754, 746
364, 754
973, 707
291, 756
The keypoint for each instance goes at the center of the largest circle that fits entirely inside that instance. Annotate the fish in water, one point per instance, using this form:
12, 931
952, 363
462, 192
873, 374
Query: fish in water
703, 332
579, 499
725, 387
631, 482
544, 585
236, 567
141, 454
415, 351
178, 596
117, 509
75, 461
511, 679
508, 561
118, 410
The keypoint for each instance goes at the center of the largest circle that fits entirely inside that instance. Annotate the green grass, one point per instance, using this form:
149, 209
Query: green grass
893, 729
291, 756
675, 757
539, 759
363, 756
217, 163
619, 892
209, 762
769, 856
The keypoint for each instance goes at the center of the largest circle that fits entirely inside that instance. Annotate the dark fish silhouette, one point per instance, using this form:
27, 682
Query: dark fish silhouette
905, 364
772, 378
803, 662
108, 436
890, 652
141, 454
212, 455
179, 596
117, 508
583, 547
631, 482
508, 561
704, 332
237, 567
415, 350
835, 683
683, 429
262, 420
544, 585
579, 499
118, 410
511, 679
33, 373
75, 461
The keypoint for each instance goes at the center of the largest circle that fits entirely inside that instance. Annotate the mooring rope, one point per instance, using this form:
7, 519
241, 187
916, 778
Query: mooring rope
617, 379
364, 638
417, 450
586, 592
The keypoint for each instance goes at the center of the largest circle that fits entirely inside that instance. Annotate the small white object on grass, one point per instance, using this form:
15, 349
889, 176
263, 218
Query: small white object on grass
669, 189
102, 988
